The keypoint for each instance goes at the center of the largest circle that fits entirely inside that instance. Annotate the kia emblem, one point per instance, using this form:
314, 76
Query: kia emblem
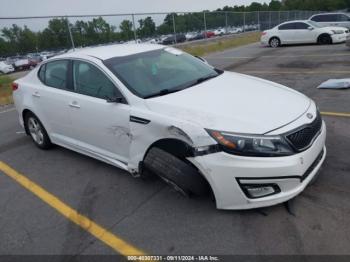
309, 115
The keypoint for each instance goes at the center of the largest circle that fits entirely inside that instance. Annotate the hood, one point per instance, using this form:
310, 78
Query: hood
336, 28
234, 102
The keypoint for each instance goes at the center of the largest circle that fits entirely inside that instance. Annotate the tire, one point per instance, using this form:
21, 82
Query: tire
324, 39
180, 175
274, 42
37, 131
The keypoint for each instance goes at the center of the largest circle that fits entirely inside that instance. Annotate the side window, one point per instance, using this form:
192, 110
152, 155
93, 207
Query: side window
343, 18
317, 18
325, 18
330, 18
56, 74
301, 26
89, 80
289, 26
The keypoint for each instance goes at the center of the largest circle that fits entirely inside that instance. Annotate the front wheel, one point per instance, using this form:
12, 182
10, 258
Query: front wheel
37, 131
324, 39
180, 175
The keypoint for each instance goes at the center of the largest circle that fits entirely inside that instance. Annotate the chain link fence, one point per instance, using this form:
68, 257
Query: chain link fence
22, 35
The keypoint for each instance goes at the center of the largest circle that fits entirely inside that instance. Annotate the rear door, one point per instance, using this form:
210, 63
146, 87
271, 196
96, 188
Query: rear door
303, 34
99, 127
286, 33
344, 20
51, 98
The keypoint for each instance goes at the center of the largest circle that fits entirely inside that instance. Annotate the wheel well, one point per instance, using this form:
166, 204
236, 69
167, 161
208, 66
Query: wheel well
173, 146
323, 34
274, 37
24, 113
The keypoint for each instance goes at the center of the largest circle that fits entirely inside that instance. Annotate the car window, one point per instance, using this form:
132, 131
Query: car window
343, 18
300, 26
89, 80
41, 73
288, 26
162, 70
56, 73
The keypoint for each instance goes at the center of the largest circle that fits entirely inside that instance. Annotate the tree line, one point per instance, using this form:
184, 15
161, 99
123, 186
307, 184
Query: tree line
16, 39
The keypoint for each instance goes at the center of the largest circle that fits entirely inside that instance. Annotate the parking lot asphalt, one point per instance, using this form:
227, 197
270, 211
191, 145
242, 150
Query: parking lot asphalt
152, 217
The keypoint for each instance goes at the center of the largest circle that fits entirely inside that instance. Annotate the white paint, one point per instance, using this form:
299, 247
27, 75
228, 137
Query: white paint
301, 36
229, 102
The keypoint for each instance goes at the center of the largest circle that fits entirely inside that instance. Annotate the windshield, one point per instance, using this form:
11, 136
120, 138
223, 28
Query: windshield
314, 24
160, 72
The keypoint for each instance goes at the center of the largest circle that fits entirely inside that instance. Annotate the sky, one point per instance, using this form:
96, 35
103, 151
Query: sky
17, 8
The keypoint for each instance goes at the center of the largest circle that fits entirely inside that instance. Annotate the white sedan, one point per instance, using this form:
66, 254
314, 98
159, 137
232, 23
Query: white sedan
5, 68
151, 109
303, 32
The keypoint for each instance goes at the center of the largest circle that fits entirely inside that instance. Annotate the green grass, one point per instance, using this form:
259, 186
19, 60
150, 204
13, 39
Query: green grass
5, 90
204, 48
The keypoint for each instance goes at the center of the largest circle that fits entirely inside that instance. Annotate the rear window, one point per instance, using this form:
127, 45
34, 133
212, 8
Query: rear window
288, 26
325, 18
55, 74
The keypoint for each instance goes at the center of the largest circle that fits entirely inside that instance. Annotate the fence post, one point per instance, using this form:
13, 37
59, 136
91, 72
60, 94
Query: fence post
270, 19
134, 27
226, 23
205, 25
70, 33
174, 27
243, 21
279, 16
259, 21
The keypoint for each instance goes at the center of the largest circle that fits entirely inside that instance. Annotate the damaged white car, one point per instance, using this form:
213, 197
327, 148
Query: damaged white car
143, 108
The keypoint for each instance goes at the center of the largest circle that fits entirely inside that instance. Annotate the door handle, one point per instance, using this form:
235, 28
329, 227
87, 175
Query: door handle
36, 94
74, 104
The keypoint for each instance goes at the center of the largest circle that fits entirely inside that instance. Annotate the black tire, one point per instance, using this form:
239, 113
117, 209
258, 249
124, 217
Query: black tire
275, 42
324, 39
183, 177
36, 131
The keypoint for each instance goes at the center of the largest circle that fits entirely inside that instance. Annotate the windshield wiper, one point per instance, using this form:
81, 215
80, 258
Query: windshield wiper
162, 93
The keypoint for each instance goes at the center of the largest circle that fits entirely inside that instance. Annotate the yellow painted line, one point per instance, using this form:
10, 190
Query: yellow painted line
116, 243
335, 114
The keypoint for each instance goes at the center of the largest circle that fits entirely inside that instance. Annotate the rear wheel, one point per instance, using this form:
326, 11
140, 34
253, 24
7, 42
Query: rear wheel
180, 175
324, 39
274, 42
37, 131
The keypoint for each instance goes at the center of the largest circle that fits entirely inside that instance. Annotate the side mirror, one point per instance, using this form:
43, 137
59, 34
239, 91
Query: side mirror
202, 59
115, 99
310, 28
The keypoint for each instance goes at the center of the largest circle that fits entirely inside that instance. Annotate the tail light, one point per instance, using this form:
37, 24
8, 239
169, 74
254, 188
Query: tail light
14, 86
263, 33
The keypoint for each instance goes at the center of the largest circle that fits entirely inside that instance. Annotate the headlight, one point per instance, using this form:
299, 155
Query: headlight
251, 145
337, 32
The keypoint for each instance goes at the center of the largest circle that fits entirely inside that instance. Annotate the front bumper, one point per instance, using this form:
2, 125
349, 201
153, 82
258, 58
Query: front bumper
339, 38
291, 173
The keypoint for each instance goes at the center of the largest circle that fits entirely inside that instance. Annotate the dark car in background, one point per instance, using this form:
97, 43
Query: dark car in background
178, 38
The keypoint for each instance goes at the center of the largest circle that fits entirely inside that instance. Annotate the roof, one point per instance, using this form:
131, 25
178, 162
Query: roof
109, 51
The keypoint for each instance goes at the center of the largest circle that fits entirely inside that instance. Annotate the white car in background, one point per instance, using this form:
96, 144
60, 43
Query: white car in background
220, 31
332, 19
6, 68
147, 107
303, 32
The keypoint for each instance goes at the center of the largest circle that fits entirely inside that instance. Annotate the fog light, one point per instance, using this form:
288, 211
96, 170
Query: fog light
262, 190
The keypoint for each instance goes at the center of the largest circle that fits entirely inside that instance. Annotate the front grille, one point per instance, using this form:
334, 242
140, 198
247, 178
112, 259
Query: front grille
304, 136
